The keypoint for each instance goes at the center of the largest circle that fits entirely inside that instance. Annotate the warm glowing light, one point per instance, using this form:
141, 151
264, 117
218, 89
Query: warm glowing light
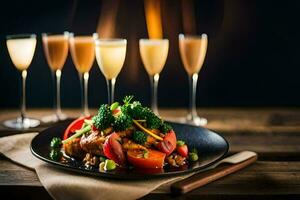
107, 21
153, 18
188, 17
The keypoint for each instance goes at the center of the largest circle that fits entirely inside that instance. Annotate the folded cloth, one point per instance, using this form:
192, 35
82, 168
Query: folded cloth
62, 184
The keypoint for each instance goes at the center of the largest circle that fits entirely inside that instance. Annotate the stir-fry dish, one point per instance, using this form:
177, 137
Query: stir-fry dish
123, 135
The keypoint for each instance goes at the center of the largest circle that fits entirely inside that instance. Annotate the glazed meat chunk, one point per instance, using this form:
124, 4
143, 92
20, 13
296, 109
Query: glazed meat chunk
93, 143
73, 148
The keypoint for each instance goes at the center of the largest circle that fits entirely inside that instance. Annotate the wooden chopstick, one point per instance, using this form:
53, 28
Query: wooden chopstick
206, 177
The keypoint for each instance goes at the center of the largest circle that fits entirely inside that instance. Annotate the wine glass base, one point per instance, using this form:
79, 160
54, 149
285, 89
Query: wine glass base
181, 120
54, 118
22, 124
196, 120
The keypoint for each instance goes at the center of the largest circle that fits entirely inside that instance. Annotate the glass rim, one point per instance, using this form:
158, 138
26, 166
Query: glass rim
93, 35
99, 41
191, 36
148, 39
21, 36
64, 33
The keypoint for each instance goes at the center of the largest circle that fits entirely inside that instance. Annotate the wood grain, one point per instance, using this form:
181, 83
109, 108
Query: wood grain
13, 174
261, 178
226, 120
203, 178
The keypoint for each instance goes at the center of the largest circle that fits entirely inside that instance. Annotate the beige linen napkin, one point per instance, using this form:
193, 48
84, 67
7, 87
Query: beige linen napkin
62, 184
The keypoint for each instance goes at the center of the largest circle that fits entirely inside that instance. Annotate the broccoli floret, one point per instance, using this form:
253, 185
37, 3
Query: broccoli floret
129, 111
55, 154
139, 137
136, 110
153, 121
122, 122
104, 118
55, 142
165, 127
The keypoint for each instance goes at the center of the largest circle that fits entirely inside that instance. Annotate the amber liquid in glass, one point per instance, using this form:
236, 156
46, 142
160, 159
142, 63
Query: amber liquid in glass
56, 50
193, 51
83, 52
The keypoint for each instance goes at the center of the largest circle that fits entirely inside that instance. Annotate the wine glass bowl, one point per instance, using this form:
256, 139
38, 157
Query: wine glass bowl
193, 50
82, 50
56, 52
154, 53
21, 49
110, 56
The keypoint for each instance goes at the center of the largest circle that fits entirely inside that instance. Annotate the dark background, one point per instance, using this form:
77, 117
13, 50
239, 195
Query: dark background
252, 59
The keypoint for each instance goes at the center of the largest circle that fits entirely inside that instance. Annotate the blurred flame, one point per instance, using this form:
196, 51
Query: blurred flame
107, 21
153, 18
188, 17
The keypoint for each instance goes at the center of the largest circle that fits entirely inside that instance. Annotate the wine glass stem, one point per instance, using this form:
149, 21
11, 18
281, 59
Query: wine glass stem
154, 83
57, 97
110, 90
23, 96
84, 95
192, 100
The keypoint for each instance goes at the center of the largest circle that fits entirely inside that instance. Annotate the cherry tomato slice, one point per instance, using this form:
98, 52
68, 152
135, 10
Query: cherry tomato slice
183, 150
75, 125
112, 149
154, 159
168, 144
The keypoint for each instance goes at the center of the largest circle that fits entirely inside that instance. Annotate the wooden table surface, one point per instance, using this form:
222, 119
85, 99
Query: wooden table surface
274, 133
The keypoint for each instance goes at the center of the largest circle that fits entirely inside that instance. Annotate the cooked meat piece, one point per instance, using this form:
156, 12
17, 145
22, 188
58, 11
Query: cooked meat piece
74, 149
127, 133
92, 143
107, 131
129, 145
150, 141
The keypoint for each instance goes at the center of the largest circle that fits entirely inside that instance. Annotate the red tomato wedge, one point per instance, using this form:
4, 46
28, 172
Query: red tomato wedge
112, 149
75, 125
168, 145
154, 159
116, 111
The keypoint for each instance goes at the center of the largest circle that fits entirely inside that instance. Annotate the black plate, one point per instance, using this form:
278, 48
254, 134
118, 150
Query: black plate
211, 148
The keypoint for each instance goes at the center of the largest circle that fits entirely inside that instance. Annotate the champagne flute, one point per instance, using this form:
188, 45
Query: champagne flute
193, 51
21, 49
110, 56
154, 54
82, 50
56, 52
